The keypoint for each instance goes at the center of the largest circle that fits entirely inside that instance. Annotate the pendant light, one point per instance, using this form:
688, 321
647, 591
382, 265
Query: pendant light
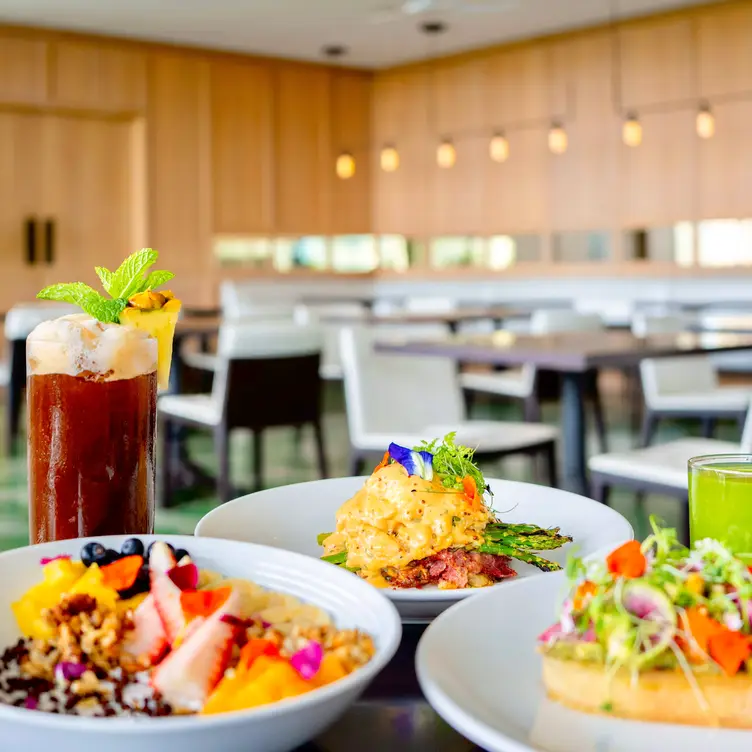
631, 131
498, 147
389, 158
446, 154
344, 165
705, 122
557, 138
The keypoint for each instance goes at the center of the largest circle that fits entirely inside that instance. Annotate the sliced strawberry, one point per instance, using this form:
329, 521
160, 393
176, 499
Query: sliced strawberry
161, 558
166, 596
147, 640
186, 678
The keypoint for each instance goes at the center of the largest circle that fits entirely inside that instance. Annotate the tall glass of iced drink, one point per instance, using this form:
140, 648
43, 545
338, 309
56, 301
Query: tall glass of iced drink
92, 404
92, 401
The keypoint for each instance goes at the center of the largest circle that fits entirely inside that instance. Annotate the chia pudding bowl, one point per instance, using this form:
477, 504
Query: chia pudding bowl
208, 644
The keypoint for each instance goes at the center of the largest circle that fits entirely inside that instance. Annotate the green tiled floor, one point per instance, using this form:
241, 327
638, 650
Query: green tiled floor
288, 463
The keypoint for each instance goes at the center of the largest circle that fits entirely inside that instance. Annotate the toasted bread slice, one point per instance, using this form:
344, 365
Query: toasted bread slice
662, 696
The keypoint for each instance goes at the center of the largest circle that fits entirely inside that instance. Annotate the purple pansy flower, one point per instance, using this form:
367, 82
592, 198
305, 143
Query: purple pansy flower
307, 661
49, 559
416, 463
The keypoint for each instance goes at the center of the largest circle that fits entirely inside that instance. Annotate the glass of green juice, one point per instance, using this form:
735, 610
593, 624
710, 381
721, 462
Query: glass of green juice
720, 501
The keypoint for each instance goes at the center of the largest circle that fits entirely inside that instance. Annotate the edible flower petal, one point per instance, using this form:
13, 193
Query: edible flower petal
384, 461
627, 561
69, 671
254, 649
307, 661
415, 462
204, 602
49, 559
30, 703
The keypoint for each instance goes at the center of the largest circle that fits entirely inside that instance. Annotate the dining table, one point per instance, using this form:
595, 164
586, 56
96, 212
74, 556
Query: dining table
452, 318
575, 356
392, 714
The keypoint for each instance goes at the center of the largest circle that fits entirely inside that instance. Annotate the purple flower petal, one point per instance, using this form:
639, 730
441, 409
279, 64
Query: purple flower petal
307, 661
265, 624
69, 671
31, 703
49, 559
416, 463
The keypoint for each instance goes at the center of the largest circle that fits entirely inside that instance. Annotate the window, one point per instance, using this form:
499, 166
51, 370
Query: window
671, 245
457, 250
724, 242
233, 251
394, 252
505, 250
354, 253
574, 247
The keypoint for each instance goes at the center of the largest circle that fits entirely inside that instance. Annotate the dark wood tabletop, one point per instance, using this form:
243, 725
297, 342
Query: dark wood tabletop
570, 352
454, 316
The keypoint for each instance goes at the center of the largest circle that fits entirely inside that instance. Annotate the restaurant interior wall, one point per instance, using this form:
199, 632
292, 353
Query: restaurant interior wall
195, 152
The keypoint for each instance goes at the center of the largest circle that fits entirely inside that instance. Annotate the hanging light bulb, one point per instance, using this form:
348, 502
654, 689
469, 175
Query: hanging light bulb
498, 148
705, 123
557, 139
446, 154
389, 158
631, 131
345, 166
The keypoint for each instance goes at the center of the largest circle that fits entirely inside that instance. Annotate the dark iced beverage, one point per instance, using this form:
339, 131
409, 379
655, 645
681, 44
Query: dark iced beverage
92, 391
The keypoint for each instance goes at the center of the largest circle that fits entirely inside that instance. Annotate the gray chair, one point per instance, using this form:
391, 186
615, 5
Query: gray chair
267, 375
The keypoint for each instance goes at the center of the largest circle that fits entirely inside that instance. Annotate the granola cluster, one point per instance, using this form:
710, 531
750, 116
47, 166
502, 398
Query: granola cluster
85, 632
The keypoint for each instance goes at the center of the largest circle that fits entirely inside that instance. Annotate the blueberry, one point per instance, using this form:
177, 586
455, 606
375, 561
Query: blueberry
132, 547
109, 556
179, 554
92, 552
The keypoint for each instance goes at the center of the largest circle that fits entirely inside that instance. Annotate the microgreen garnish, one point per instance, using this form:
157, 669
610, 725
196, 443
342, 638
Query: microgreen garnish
126, 281
452, 462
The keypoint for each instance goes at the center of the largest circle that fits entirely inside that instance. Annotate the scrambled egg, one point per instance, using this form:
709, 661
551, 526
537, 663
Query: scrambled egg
397, 518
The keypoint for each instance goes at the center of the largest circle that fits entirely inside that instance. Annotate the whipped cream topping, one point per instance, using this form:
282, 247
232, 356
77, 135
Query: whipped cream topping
78, 344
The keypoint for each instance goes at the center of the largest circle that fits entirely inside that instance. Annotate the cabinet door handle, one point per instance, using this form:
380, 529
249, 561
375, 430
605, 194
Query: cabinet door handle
49, 241
30, 231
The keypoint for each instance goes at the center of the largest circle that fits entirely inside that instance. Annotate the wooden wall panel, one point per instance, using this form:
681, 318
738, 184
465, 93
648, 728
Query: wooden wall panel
518, 86
657, 62
724, 39
724, 178
583, 182
302, 150
179, 152
515, 196
23, 70
350, 205
242, 133
98, 76
402, 199
657, 180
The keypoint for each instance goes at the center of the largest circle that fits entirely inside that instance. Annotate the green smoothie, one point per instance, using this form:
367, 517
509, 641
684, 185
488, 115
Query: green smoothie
720, 502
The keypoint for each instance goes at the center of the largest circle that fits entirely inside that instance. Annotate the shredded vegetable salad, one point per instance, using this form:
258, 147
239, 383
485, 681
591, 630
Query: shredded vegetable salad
657, 605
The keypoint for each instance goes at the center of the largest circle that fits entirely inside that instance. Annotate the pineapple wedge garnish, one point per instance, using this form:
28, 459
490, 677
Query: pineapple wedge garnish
156, 313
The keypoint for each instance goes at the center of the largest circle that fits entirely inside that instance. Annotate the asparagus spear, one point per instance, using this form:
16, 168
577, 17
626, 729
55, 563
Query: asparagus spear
340, 558
529, 542
537, 561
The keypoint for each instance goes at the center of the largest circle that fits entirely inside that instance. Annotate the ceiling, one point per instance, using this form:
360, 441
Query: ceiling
377, 33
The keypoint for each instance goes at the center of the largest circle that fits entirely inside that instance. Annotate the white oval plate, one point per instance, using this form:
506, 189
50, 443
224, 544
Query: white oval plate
480, 672
291, 517
272, 728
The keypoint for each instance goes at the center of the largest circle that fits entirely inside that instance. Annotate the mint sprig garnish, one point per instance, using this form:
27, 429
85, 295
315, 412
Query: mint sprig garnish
128, 280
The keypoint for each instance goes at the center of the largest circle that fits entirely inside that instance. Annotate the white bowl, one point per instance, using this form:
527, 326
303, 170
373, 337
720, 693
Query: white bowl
274, 728
291, 517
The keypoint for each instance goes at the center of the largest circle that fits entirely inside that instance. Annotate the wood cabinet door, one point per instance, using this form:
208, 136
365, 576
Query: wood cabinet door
98, 76
242, 129
20, 202
23, 70
88, 197
179, 170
